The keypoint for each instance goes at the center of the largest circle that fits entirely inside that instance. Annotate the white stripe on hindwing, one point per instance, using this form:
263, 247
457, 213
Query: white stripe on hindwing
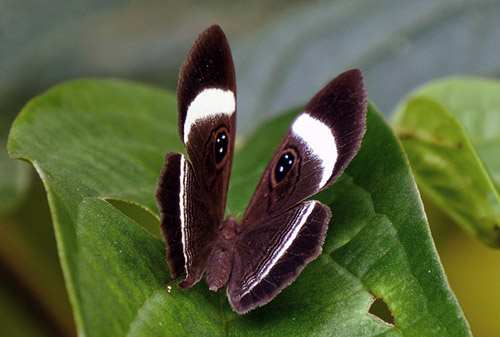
208, 103
320, 140
290, 237
182, 205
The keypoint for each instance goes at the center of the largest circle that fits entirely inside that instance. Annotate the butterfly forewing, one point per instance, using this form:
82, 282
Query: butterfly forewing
318, 146
206, 98
192, 192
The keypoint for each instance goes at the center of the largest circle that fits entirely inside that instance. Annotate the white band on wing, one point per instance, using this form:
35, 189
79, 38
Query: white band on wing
182, 209
318, 137
208, 103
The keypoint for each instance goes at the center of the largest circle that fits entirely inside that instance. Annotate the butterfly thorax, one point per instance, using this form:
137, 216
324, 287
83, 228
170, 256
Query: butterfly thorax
229, 229
220, 261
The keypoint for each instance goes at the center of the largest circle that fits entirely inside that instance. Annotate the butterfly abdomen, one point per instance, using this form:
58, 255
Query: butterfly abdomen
220, 261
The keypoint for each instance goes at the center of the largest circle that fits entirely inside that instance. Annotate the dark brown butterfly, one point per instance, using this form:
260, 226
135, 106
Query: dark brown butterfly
279, 233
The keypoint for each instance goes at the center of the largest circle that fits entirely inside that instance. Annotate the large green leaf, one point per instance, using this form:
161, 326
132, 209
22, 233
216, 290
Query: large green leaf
111, 265
96, 140
450, 132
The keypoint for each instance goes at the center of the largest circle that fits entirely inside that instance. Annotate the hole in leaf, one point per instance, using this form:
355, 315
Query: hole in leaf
380, 310
139, 215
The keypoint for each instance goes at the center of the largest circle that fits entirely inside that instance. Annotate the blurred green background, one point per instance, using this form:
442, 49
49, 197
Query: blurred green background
284, 52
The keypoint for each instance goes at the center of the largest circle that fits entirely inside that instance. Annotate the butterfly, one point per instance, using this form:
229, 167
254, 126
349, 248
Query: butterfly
279, 233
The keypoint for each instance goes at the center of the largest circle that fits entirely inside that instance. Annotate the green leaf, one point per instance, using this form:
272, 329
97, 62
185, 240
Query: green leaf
450, 132
90, 141
96, 140
378, 244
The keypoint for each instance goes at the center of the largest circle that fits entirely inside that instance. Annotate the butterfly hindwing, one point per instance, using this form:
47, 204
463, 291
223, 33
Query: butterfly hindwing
186, 220
271, 256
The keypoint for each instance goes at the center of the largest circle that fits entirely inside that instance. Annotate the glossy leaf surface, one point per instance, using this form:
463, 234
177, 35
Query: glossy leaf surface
91, 141
449, 130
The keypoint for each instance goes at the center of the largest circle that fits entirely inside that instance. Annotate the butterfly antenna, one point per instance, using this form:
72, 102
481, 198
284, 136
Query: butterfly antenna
229, 212
238, 215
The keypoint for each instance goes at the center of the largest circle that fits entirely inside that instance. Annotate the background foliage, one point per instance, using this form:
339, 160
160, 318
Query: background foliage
284, 52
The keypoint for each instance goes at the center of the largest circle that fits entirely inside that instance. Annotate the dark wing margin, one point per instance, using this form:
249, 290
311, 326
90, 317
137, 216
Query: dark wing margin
186, 224
271, 256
